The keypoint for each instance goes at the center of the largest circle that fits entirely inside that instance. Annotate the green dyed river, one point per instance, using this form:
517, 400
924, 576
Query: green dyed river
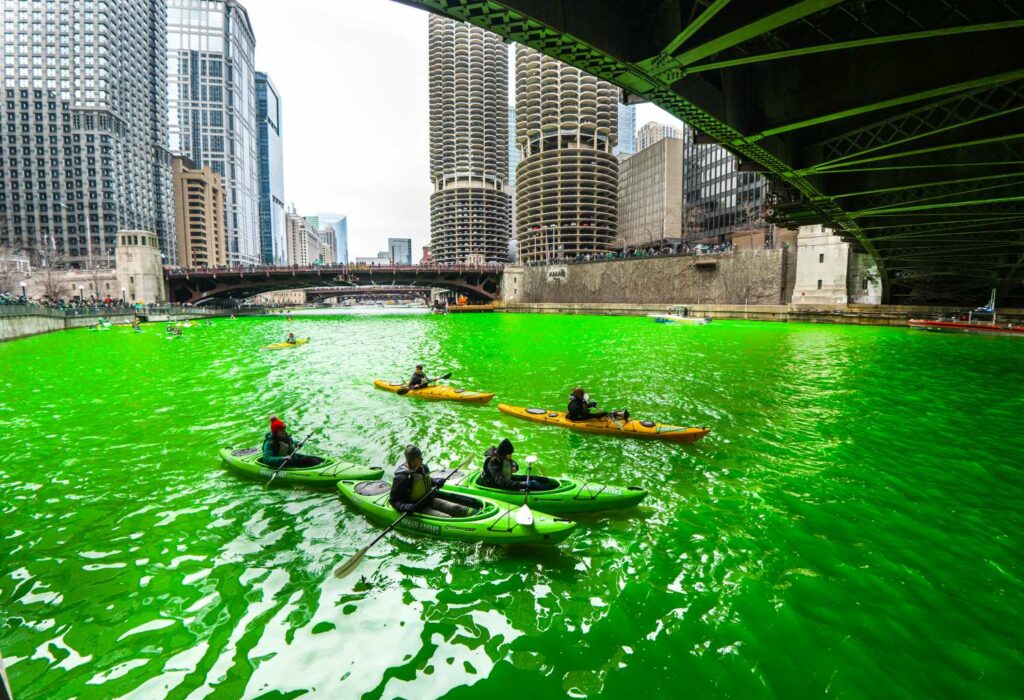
851, 527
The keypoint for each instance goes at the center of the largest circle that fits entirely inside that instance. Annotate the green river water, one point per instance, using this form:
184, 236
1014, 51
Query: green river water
852, 526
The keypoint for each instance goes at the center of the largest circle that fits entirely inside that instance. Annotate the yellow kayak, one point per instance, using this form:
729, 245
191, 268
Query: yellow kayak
281, 346
437, 392
609, 426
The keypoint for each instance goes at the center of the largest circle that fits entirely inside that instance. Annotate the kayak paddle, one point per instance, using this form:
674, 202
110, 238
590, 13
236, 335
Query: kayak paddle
405, 390
350, 564
288, 459
524, 516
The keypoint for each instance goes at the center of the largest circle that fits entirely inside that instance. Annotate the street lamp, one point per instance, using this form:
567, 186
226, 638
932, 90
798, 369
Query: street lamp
23, 295
81, 294
124, 299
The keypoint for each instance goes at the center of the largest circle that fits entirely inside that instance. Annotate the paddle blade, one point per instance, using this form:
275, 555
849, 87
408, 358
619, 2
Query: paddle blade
524, 516
446, 376
403, 391
348, 566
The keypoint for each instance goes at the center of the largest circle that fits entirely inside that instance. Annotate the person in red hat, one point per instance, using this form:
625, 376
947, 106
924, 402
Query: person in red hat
278, 446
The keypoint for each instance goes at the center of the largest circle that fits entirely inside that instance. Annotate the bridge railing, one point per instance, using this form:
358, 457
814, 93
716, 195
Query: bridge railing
334, 269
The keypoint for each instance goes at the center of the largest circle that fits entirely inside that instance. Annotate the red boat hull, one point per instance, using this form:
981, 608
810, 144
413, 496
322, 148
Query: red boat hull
964, 327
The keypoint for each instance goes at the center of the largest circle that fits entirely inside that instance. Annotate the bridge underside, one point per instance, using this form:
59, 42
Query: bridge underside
315, 294
900, 123
202, 286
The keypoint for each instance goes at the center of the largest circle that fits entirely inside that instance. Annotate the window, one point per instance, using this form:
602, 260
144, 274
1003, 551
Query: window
821, 257
819, 284
864, 284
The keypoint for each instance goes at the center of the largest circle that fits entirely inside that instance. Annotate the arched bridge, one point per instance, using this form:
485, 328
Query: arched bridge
898, 124
314, 294
200, 285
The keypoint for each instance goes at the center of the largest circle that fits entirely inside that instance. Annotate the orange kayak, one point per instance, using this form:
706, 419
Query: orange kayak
609, 426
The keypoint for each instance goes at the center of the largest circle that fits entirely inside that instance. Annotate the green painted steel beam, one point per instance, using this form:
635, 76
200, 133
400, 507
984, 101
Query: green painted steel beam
891, 102
940, 205
945, 166
919, 151
703, 18
855, 44
923, 185
788, 15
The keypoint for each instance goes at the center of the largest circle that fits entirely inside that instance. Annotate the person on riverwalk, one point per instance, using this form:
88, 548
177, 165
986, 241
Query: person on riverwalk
419, 379
500, 470
580, 405
411, 485
278, 445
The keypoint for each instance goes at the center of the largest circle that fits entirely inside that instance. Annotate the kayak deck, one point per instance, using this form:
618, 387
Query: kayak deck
248, 461
491, 522
437, 392
563, 496
609, 426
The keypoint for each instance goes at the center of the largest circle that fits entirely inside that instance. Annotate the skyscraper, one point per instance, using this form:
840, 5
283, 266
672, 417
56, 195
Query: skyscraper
400, 251
84, 127
469, 208
567, 183
339, 222
626, 141
513, 147
652, 132
271, 165
212, 98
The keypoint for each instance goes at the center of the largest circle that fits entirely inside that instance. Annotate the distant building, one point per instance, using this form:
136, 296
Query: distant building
513, 148
626, 141
303, 242
425, 259
383, 258
652, 132
567, 182
339, 222
271, 170
329, 249
400, 251
720, 202
199, 215
212, 108
651, 196
469, 208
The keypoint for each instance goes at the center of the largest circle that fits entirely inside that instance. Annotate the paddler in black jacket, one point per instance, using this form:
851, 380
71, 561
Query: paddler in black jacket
411, 485
500, 468
580, 405
419, 379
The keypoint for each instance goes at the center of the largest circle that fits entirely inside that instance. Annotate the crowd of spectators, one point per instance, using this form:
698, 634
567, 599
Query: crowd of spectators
650, 252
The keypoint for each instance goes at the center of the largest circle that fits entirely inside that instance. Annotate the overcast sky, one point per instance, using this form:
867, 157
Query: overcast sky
353, 84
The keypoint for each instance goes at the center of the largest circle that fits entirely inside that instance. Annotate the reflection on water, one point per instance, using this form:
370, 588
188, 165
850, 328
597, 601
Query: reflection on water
851, 526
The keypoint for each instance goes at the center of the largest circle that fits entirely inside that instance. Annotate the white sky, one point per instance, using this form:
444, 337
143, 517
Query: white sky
353, 84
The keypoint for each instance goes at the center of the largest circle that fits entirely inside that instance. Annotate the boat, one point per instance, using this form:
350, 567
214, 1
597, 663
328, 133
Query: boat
282, 346
563, 495
650, 430
967, 323
248, 461
680, 316
437, 392
492, 522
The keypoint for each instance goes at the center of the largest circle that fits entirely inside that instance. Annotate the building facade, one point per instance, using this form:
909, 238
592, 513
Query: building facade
338, 222
85, 128
626, 132
212, 108
271, 169
470, 212
329, 245
652, 132
198, 215
651, 196
513, 148
567, 182
400, 251
720, 202
303, 243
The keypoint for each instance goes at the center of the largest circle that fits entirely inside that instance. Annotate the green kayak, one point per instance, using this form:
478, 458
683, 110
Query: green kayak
563, 496
248, 462
493, 522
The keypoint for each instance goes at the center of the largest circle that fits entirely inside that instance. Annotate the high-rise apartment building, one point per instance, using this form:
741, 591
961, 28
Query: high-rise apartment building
328, 245
651, 196
198, 214
652, 132
470, 213
84, 125
567, 182
626, 131
513, 147
338, 222
304, 247
212, 108
719, 201
400, 251
271, 169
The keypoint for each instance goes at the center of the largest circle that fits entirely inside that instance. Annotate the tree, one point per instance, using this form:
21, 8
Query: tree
749, 278
52, 266
8, 271
693, 222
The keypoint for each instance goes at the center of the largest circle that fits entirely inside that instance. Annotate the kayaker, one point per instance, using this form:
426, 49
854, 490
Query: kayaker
278, 444
419, 379
291, 339
500, 470
413, 482
580, 405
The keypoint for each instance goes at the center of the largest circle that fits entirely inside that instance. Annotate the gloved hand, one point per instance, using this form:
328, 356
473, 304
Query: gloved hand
439, 481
